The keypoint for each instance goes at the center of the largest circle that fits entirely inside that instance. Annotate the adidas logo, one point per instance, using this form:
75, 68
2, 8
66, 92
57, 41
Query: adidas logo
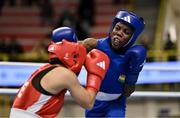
127, 19
101, 64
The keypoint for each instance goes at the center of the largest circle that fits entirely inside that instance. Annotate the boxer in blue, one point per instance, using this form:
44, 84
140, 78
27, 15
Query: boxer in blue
126, 62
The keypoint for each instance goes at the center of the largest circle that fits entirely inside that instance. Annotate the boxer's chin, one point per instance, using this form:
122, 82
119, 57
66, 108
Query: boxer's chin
116, 45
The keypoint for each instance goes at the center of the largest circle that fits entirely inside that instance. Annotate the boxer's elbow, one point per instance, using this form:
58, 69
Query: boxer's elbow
89, 98
89, 103
89, 106
85, 103
127, 94
128, 90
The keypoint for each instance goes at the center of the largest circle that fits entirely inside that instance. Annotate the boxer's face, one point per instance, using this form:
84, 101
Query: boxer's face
120, 35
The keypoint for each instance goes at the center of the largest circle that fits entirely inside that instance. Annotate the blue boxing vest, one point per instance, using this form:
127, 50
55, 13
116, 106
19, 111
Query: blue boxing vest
109, 102
114, 80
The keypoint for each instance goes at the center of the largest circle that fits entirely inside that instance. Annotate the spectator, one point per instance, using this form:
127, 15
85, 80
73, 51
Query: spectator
66, 19
1, 6
46, 12
86, 11
13, 48
145, 41
29, 3
12, 3
82, 29
169, 46
2, 45
39, 51
122, 2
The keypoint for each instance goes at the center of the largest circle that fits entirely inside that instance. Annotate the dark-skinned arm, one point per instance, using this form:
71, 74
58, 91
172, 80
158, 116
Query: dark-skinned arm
89, 43
128, 90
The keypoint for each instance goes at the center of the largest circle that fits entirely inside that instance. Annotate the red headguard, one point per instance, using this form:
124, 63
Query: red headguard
70, 54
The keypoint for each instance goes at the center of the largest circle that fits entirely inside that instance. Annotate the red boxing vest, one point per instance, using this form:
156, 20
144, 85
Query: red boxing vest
31, 100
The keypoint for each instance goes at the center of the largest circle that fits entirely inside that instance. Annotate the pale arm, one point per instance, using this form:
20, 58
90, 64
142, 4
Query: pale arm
61, 78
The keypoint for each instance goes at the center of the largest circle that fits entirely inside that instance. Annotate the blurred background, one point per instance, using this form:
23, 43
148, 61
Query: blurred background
25, 32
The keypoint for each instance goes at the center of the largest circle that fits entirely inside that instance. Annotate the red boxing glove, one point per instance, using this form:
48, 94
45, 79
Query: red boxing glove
96, 65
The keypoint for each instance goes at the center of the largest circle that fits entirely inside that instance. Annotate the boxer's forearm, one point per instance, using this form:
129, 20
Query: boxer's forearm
128, 90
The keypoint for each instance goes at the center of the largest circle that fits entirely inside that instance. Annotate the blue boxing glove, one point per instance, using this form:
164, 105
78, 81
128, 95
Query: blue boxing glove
135, 57
64, 33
